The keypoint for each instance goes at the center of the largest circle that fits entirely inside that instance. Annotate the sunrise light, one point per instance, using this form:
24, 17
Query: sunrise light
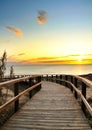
46, 34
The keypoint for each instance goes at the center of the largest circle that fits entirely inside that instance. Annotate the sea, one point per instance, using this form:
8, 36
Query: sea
50, 69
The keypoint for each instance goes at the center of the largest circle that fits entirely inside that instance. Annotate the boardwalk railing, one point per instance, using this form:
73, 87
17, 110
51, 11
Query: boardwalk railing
34, 85
77, 85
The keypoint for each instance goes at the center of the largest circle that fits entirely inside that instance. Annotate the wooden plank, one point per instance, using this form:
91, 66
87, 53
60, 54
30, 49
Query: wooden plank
52, 108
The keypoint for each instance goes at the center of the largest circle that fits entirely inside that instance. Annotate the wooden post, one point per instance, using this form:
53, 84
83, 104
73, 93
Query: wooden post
39, 80
47, 77
75, 83
59, 79
71, 82
84, 94
16, 92
30, 84
52, 78
71, 79
56, 78
42, 77
66, 78
61, 82
60, 76
84, 89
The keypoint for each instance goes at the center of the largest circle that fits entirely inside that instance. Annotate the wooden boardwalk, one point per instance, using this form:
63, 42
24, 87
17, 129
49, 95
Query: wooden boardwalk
52, 108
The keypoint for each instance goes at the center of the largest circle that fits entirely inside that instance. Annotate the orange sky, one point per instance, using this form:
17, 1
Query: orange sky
68, 59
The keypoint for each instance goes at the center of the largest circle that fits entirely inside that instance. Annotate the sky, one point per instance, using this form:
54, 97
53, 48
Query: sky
46, 31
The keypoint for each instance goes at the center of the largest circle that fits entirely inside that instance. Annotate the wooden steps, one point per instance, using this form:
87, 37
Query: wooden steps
52, 108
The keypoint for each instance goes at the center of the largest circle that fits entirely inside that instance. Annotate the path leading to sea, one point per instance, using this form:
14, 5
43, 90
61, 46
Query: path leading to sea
52, 108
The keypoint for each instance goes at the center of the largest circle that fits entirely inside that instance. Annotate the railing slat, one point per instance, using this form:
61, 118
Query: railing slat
16, 92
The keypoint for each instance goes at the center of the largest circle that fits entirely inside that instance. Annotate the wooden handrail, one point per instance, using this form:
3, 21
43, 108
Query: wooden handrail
73, 84
13, 81
82, 97
86, 81
17, 95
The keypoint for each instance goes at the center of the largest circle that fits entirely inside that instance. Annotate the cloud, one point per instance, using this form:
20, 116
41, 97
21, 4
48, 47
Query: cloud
88, 54
15, 56
44, 58
48, 60
74, 55
42, 17
57, 62
67, 59
21, 54
16, 31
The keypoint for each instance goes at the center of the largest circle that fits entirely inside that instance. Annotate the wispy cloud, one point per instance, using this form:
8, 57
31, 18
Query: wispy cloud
88, 54
15, 57
57, 62
48, 60
21, 54
42, 17
67, 59
74, 55
43, 58
16, 31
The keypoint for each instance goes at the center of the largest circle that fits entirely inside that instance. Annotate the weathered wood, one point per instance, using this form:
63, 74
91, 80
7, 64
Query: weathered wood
53, 108
74, 88
39, 80
71, 82
52, 78
84, 101
75, 83
13, 81
60, 76
84, 89
16, 92
86, 81
66, 78
47, 78
30, 84
56, 78
18, 96
84, 94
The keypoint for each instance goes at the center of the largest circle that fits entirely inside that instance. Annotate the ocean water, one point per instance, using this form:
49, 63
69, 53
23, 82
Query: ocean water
50, 69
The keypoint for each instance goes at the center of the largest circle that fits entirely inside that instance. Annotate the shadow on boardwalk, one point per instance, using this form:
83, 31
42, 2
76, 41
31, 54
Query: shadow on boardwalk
52, 108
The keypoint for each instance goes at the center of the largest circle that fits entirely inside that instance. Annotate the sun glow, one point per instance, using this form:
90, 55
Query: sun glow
80, 58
